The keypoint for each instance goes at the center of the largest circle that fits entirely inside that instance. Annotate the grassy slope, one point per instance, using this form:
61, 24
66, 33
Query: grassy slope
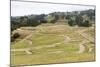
62, 52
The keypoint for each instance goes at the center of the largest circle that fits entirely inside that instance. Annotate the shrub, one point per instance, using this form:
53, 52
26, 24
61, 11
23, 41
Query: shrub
14, 36
86, 23
70, 22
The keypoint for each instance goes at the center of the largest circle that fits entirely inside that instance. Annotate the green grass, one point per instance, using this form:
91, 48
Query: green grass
51, 58
45, 39
20, 44
47, 55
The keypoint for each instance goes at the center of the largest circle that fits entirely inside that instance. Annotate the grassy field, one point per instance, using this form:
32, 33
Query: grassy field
54, 44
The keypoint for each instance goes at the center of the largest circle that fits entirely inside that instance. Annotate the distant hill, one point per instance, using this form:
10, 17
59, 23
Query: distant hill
34, 20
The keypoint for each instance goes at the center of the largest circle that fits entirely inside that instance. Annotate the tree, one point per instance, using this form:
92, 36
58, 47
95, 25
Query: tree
50, 19
70, 22
23, 20
79, 20
68, 17
86, 23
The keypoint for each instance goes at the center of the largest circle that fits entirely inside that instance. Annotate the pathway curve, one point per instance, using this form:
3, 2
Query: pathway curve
89, 39
66, 40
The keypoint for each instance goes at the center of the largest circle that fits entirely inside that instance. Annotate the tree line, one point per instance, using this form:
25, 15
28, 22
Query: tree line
80, 18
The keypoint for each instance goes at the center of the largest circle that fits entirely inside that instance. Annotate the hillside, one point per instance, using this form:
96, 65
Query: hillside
53, 43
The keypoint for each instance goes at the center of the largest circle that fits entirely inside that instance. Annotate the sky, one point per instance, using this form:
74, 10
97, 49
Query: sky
28, 8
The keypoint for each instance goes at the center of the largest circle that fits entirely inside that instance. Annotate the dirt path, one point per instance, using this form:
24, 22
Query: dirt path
55, 52
27, 50
29, 42
47, 46
27, 37
89, 39
66, 38
86, 36
81, 47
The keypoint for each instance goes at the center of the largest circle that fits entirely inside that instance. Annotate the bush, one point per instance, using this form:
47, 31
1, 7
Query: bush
43, 21
79, 20
71, 22
14, 36
86, 23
